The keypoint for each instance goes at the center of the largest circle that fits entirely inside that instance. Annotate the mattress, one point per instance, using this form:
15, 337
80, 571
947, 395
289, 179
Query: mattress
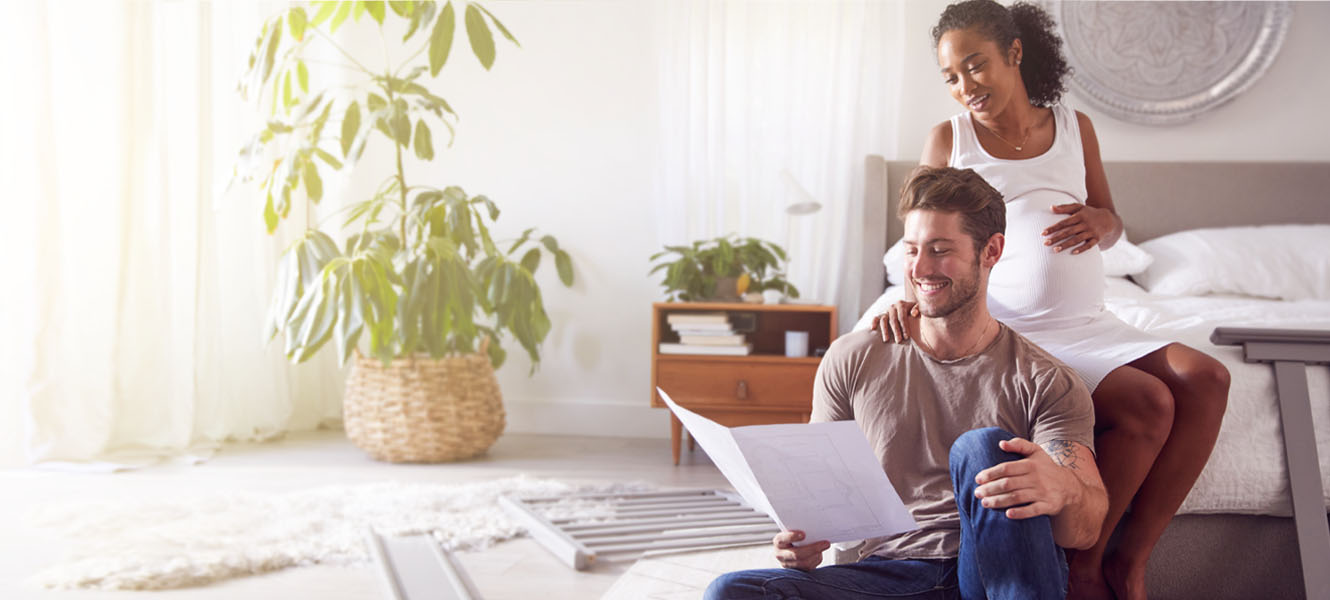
1246, 473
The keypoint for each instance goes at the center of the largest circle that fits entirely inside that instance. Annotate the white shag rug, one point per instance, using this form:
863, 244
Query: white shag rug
194, 540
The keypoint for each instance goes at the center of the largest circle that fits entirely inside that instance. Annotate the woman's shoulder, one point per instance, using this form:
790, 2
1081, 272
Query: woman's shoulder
937, 146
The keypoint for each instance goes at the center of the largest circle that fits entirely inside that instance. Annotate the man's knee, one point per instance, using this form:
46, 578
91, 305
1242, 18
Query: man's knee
737, 584
977, 449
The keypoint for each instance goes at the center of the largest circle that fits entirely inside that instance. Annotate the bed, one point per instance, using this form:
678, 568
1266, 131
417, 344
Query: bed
1234, 536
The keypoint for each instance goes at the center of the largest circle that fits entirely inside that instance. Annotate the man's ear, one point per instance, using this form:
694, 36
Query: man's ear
993, 250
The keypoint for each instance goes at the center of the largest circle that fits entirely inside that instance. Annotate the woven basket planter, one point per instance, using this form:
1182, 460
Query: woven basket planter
423, 410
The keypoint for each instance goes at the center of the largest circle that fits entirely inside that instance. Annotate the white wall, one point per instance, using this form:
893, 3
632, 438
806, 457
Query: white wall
562, 134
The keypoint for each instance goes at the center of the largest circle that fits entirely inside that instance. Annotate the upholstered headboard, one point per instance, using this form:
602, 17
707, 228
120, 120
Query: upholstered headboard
1154, 199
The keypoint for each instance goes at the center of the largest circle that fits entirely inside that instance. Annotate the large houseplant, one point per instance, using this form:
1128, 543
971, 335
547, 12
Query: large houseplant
417, 270
722, 269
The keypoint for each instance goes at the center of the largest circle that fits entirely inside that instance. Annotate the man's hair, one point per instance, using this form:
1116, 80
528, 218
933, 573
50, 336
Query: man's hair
944, 189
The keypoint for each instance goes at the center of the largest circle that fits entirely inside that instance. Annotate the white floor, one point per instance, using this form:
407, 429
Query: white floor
514, 569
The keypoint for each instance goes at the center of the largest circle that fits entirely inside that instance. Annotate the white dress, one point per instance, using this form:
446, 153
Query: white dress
1054, 299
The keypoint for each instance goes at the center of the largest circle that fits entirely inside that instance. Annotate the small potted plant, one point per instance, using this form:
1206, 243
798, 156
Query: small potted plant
723, 269
417, 291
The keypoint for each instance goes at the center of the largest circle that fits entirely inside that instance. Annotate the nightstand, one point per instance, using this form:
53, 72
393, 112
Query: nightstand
760, 388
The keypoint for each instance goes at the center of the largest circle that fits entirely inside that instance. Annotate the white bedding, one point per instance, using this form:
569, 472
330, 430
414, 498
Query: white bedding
1246, 473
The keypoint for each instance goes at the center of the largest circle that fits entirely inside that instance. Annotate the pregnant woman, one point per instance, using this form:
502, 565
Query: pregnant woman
1158, 405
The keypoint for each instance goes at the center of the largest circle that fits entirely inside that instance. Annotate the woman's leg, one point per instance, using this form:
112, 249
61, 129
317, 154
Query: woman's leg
1199, 384
1133, 417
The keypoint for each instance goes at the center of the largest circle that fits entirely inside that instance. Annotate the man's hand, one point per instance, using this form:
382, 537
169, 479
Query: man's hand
1029, 487
804, 558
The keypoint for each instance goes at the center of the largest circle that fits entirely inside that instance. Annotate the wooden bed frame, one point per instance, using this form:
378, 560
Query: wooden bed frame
1199, 556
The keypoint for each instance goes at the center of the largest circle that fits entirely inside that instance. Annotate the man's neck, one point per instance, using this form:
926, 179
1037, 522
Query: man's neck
960, 334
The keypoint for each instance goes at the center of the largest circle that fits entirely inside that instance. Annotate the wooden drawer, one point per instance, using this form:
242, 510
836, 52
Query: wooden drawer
703, 383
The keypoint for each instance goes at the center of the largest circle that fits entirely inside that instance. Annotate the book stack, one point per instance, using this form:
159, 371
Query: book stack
705, 333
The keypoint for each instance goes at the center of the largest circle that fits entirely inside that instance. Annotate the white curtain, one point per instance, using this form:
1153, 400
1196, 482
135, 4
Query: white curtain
751, 91
135, 288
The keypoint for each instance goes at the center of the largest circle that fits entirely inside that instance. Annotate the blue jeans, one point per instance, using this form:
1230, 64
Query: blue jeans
1000, 558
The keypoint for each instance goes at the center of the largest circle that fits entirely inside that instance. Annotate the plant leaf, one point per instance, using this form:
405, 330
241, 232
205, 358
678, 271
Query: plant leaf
350, 318
302, 77
270, 54
482, 40
269, 215
424, 147
420, 14
441, 39
342, 12
490, 206
531, 260
550, 243
325, 10
313, 185
375, 9
403, 9
497, 23
526, 235
329, 159
400, 123
298, 20
286, 90
350, 126
565, 266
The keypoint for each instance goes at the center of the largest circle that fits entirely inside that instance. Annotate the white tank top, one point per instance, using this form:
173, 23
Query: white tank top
1030, 282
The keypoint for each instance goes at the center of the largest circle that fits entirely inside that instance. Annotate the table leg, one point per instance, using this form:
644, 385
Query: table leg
1304, 476
676, 429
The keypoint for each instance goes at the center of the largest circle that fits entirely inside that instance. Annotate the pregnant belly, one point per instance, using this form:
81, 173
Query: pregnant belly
1032, 281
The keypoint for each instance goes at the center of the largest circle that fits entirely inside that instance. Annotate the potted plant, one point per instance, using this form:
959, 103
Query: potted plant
417, 280
722, 269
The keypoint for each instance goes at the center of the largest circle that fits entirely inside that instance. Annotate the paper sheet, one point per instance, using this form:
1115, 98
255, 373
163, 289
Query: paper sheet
819, 478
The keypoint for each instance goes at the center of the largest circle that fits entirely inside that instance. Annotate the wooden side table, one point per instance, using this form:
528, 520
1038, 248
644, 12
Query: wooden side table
760, 388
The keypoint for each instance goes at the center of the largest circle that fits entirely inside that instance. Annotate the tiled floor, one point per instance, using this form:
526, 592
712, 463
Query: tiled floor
514, 569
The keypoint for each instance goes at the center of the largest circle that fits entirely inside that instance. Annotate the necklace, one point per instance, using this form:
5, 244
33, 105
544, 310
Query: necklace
1018, 147
973, 347
983, 334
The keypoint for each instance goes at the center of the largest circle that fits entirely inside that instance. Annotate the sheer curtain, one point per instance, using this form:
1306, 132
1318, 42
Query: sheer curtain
753, 91
135, 285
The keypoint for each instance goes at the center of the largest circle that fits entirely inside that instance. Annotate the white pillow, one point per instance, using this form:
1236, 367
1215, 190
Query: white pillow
1123, 259
1289, 262
894, 261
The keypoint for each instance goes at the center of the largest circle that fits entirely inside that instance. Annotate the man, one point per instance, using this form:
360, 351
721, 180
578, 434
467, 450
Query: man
986, 438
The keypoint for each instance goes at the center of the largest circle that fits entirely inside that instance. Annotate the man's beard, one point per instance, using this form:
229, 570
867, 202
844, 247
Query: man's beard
962, 293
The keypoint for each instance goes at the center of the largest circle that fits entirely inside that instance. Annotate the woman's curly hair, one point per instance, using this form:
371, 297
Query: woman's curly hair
1043, 67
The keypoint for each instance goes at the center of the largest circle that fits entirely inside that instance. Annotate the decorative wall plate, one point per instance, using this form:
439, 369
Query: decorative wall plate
1163, 63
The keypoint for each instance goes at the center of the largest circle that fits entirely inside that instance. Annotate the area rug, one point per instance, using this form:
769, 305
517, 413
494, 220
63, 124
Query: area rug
194, 539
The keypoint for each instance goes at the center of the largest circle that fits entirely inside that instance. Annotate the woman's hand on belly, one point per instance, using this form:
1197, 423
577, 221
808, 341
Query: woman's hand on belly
1083, 229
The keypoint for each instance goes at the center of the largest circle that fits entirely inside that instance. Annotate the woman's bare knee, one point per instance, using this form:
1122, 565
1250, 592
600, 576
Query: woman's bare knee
1141, 407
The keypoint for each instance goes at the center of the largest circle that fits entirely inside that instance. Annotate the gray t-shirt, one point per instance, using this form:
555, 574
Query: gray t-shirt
913, 406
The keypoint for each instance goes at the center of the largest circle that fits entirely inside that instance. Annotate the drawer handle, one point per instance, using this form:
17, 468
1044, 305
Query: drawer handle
741, 391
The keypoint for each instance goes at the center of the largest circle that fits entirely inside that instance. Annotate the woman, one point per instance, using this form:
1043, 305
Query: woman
1158, 405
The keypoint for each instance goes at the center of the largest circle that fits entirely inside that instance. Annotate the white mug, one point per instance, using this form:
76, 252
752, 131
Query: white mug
796, 344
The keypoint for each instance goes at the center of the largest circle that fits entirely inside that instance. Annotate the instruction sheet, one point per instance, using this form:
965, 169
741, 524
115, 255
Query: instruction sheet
819, 478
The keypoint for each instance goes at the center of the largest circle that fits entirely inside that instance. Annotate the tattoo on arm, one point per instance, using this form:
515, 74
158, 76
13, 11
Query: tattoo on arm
1063, 453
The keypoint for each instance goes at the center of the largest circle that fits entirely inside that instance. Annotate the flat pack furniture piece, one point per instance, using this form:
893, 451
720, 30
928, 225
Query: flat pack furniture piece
641, 524
1290, 351
415, 567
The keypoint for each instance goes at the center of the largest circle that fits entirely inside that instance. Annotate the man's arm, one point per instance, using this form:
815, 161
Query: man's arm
1059, 479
